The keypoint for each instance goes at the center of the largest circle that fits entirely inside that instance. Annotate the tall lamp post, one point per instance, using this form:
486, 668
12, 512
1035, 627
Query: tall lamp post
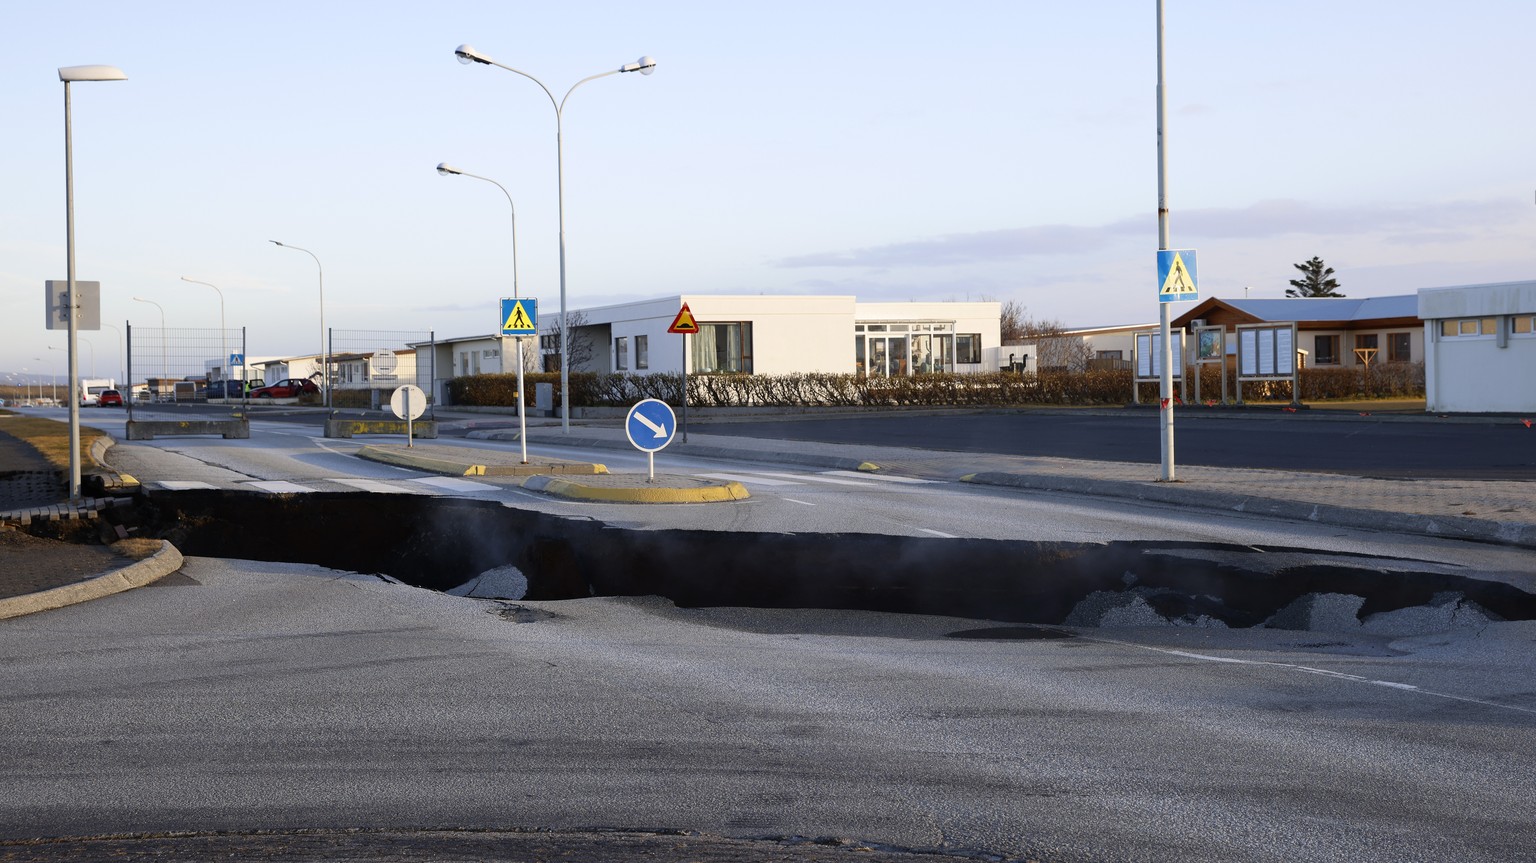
165, 366
120, 375
448, 170
69, 75
325, 357
223, 335
645, 66
53, 380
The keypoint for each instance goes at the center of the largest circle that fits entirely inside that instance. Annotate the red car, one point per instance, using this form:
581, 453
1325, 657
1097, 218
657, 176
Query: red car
287, 389
110, 398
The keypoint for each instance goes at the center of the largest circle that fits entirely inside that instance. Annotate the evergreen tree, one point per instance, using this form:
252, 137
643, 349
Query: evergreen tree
1317, 280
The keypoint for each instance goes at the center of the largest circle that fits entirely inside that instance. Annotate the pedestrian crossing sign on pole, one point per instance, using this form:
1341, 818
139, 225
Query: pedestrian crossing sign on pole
1176, 275
519, 317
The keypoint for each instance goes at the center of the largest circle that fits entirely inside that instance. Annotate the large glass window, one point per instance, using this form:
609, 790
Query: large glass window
1399, 347
1469, 327
1523, 325
642, 352
621, 353
1325, 350
723, 347
968, 347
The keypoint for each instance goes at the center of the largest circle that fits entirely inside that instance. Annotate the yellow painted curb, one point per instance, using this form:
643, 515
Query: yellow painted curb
153, 568
869, 467
607, 494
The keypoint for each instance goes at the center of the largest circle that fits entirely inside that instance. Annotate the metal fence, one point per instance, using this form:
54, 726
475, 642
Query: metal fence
367, 366
171, 365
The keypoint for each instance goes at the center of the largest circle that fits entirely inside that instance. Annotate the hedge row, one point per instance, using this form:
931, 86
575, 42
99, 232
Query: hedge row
1110, 387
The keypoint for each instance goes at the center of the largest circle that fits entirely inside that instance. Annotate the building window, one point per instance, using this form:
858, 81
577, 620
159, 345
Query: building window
1325, 350
968, 347
621, 353
723, 347
1523, 325
642, 352
1399, 347
1469, 327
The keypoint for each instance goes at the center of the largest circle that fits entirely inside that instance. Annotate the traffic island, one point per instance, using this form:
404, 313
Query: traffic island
463, 461
636, 488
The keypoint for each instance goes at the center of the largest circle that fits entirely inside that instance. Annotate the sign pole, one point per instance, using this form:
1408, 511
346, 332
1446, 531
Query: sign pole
1166, 382
410, 431
685, 387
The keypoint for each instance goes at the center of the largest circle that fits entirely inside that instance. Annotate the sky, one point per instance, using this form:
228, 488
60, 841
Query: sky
890, 150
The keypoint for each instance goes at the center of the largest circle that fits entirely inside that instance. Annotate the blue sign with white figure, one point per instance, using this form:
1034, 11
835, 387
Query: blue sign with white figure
651, 425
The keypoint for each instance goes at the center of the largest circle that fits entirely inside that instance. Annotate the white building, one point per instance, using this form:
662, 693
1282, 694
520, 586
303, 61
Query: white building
774, 335
1480, 347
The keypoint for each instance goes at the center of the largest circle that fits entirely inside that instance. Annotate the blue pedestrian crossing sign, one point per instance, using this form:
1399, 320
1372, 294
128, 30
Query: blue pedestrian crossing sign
1176, 276
237, 359
651, 425
519, 317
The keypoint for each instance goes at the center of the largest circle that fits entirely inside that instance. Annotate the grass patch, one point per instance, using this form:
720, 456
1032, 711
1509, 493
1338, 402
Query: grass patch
51, 438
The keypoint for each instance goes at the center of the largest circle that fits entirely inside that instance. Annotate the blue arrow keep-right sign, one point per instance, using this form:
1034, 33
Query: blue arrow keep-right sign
651, 425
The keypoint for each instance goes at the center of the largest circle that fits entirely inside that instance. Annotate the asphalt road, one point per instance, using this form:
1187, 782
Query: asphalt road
243, 696
1390, 447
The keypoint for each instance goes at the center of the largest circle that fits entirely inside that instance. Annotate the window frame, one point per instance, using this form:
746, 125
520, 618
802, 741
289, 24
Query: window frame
1331, 358
1393, 340
642, 352
968, 349
621, 353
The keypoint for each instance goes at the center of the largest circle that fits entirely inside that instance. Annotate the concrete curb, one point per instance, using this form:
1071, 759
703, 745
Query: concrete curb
831, 462
454, 467
573, 490
1451, 527
153, 568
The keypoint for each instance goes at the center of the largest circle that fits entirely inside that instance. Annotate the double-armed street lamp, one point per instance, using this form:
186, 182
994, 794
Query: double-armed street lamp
223, 336
325, 357
645, 66
448, 170
165, 365
69, 75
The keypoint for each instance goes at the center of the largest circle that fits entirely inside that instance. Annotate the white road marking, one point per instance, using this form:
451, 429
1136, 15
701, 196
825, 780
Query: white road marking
280, 486
814, 477
372, 485
877, 476
801, 502
183, 484
1307, 669
736, 477
454, 484
938, 533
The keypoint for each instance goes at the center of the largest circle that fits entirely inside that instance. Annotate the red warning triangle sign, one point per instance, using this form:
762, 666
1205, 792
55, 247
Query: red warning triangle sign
684, 322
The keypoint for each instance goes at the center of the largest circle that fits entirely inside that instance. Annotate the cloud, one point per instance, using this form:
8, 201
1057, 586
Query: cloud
1455, 221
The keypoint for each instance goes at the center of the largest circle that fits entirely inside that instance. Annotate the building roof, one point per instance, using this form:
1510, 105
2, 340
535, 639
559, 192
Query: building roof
1330, 308
1304, 310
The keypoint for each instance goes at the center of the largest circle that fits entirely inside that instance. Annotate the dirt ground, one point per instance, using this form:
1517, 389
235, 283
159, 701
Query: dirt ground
29, 564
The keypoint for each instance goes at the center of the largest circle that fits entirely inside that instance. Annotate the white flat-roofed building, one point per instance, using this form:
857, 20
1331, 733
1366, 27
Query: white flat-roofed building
1480, 347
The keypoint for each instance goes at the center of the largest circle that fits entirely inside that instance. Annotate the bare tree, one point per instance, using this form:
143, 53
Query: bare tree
581, 346
1012, 322
1054, 349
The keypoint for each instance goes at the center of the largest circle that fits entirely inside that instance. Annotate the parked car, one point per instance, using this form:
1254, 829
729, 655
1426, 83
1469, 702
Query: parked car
228, 389
285, 389
110, 399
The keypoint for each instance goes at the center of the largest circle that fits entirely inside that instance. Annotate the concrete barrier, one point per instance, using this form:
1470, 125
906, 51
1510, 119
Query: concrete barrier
424, 429
238, 428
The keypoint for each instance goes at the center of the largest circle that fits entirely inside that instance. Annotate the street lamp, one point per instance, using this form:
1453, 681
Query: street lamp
645, 66
69, 75
448, 170
325, 357
223, 336
119, 380
53, 380
165, 366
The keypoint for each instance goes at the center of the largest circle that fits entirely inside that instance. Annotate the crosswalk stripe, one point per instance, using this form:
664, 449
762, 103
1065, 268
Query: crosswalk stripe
752, 478
819, 478
455, 484
183, 484
373, 485
880, 477
280, 486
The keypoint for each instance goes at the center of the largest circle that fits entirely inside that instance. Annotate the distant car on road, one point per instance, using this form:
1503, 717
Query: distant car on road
285, 389
110, 399
227, 389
